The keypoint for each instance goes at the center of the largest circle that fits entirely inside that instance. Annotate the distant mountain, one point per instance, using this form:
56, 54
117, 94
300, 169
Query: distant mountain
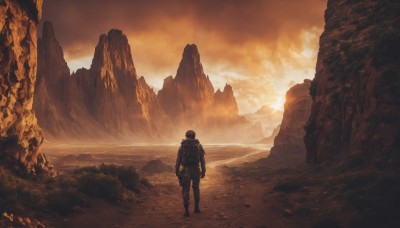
105, 101
290, 140
190, 102
270, 139
268, 117
108, 101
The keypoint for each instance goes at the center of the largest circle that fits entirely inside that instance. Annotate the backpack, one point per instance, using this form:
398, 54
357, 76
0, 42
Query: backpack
191, 154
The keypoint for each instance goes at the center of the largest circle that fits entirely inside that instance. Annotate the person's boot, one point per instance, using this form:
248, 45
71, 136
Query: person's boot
196, 208
187, 214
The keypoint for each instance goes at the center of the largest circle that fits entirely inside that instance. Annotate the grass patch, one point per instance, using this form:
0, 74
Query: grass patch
64, 193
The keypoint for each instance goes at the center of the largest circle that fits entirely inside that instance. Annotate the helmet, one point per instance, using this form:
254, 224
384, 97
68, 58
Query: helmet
190, 134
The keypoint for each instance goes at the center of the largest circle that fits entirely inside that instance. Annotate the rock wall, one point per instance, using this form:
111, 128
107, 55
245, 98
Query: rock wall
105, 102
356, 89
20, 136
290, 140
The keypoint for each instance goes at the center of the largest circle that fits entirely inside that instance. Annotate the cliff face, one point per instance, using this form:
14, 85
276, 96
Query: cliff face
20, 136
110, 86
225, 103
152, 110
356, 90
189, 102
58, 100
190, 93
289, 142
106, 101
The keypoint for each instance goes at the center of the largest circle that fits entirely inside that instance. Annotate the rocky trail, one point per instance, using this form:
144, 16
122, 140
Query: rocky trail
226, 201
220, 205
238, 191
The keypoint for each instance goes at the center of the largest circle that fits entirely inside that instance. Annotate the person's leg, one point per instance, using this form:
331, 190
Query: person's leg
186, 191
196, 190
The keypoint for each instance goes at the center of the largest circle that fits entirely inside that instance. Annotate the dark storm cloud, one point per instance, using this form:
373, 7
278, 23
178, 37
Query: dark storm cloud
235, 21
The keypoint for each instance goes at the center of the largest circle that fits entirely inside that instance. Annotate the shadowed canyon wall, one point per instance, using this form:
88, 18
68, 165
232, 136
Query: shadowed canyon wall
290, 140
20, 136
356, 90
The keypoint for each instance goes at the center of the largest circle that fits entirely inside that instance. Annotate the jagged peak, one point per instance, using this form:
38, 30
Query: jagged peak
117, 36
168, 79
142, 81
190, 51
113, 51
228, 87
190, 65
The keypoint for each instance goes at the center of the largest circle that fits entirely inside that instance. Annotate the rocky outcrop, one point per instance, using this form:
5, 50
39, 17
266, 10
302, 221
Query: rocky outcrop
190, 103
290, 140
190, 93
58, 100
20, 136
152, 110
356, 89
106, 101
225, 105
110, 87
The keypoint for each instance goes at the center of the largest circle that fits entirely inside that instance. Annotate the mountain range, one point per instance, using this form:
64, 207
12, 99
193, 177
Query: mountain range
109, 100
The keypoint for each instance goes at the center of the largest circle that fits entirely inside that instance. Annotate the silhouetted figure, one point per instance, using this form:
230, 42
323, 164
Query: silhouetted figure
190, 155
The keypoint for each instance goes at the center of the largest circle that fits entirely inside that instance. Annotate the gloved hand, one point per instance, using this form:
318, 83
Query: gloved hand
203, 174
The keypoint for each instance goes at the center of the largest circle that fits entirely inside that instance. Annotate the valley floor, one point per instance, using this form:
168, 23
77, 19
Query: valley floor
239, 190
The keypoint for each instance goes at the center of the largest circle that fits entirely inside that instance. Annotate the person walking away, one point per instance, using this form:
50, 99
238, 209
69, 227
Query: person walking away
190, 155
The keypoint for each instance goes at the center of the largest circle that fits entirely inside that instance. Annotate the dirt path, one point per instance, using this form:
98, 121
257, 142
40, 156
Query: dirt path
226, 201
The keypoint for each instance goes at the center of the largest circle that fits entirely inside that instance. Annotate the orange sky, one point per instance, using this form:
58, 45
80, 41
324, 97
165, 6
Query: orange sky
260, 47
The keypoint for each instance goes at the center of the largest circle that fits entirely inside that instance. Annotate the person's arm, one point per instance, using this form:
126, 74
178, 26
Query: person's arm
178, 161
202, 161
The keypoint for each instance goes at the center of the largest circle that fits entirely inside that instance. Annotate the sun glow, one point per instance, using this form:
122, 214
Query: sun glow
278, 105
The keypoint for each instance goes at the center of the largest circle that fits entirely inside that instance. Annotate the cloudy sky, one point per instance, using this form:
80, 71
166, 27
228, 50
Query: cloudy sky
260, 47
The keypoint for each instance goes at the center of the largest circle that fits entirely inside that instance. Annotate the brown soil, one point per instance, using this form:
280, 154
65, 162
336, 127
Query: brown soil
238, 191
225, 201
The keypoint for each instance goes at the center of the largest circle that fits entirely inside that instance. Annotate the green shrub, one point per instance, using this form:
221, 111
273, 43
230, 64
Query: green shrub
17, 194
99, 185
65, 192
63, 201
127, 175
